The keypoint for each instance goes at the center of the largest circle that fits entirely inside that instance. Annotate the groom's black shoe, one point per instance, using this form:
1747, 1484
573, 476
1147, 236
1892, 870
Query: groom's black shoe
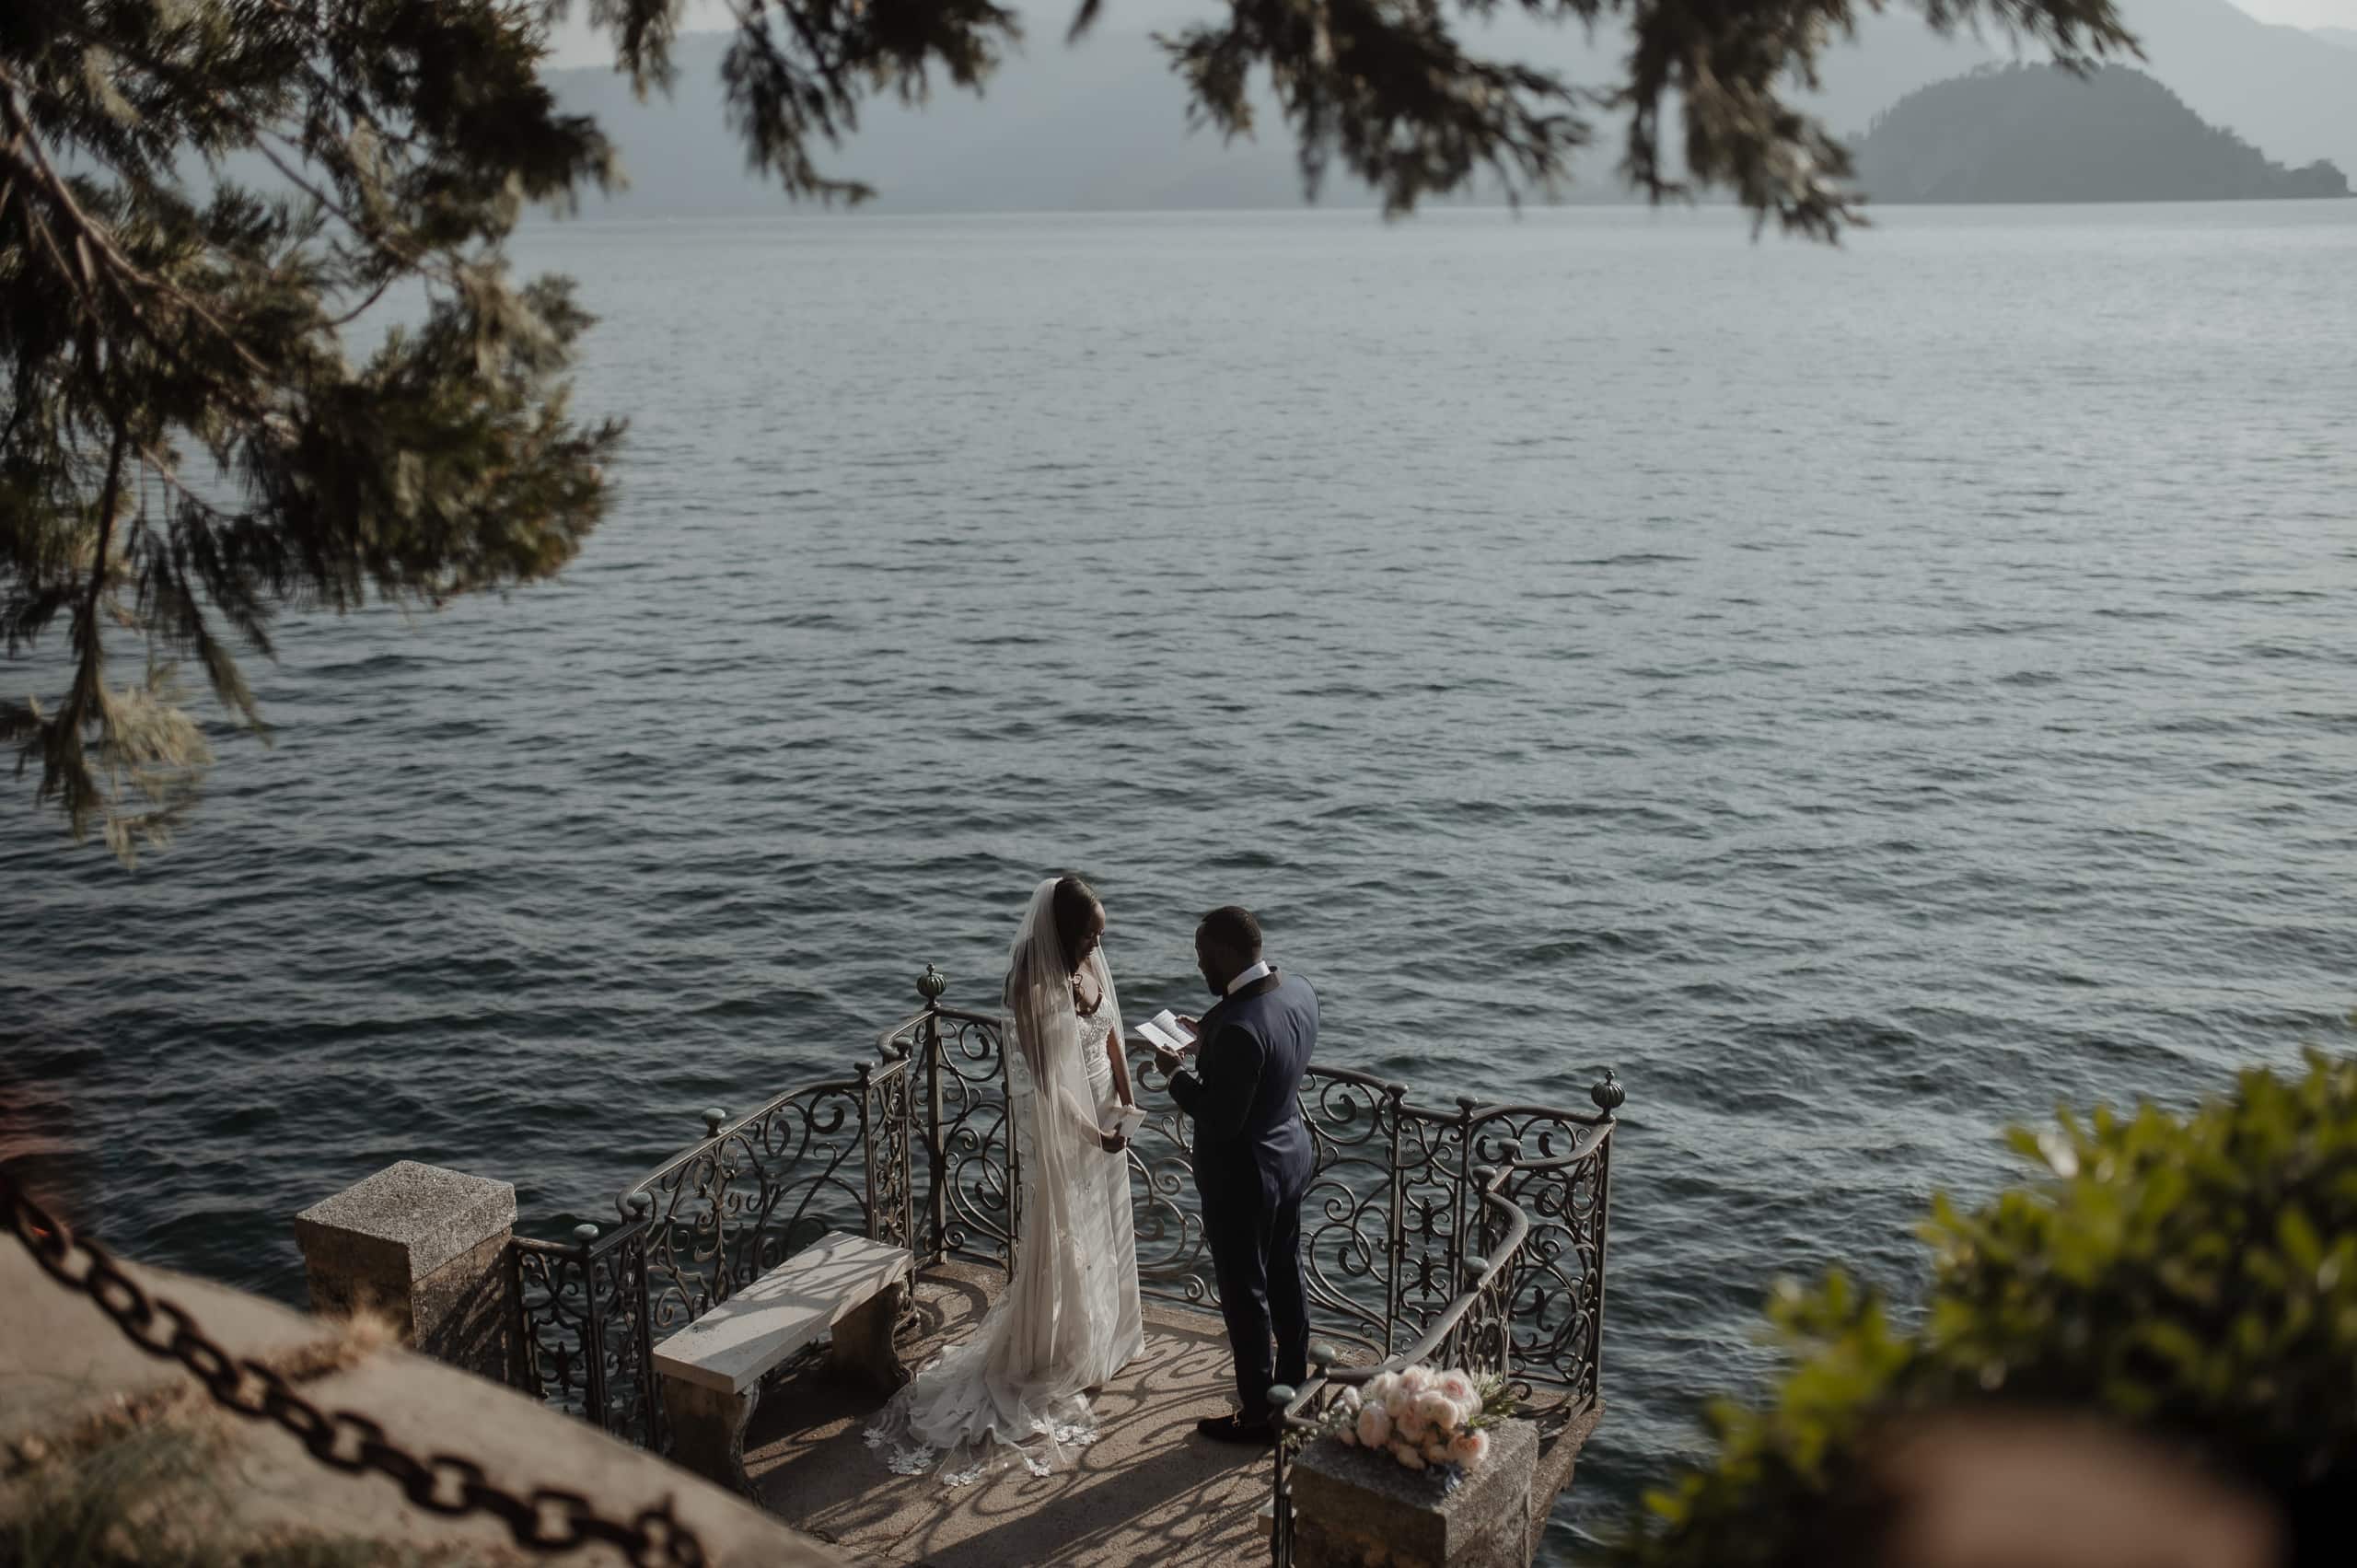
1228, 1429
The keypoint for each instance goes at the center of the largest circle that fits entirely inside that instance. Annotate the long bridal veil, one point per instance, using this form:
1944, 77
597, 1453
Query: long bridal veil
1013, 1391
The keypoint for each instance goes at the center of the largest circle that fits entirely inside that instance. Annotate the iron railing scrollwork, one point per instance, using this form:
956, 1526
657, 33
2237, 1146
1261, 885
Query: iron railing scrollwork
973, 1163
581, 1339
887, 1125
1475, 1235
1475, 1330
1557, 1291
1174, 1256
725, 1211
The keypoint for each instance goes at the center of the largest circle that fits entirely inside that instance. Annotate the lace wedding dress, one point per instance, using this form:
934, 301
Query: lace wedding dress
1068, 1320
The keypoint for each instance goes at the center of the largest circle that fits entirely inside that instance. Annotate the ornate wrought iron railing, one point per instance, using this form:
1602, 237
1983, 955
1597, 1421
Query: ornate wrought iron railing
972, 1160
1477, 1233
755, 1190
1477, 1330
1384, 1222
1396, 1194
581, 1340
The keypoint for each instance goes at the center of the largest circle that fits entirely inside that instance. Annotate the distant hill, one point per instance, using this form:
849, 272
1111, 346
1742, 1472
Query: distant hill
2291, 93
2038, 133
2345, 37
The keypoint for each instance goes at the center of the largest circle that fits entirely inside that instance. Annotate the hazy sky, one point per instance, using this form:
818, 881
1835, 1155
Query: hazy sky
577, 46
2304, 13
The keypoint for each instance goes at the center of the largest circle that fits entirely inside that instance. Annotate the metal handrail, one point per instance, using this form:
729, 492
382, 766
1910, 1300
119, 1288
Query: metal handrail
887, 1039
620, 1256
1453, 1183
718, 1131
1481, 1273
1289, 1406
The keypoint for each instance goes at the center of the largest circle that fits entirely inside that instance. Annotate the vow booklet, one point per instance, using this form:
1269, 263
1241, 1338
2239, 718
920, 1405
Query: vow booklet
1167, 1034
1127, 1120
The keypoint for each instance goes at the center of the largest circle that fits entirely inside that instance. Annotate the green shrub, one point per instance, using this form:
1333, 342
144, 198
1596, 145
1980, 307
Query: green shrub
2190, 1277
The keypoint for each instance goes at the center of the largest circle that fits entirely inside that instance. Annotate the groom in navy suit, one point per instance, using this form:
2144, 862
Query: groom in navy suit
1252, 1159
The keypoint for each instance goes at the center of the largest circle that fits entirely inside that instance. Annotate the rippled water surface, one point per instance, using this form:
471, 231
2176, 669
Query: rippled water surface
1861, 696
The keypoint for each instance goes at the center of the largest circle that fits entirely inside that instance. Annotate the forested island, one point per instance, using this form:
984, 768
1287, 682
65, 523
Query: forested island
2038, 133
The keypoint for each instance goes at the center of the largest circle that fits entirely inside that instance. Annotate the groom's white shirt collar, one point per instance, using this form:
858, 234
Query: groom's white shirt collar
1257, 971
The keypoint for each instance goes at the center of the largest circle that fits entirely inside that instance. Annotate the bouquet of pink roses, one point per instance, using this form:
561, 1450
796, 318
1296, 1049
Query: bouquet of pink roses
1422, 1418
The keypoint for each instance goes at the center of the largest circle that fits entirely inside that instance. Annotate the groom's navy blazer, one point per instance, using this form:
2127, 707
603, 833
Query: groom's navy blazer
1250, 1147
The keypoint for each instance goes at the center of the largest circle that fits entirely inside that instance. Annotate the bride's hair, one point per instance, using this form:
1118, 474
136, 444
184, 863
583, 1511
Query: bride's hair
1075, 906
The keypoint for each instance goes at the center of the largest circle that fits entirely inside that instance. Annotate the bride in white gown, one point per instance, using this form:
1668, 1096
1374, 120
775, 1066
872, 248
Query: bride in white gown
1068, 1320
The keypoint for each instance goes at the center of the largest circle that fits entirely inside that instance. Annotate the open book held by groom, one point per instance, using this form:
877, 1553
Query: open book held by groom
1241, 1083
1171, 1035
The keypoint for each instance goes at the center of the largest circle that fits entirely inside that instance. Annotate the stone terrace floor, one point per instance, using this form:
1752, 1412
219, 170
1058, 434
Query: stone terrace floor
1147, 1491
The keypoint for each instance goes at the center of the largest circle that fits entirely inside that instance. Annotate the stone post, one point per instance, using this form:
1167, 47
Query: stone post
1354, 1509
427, 1247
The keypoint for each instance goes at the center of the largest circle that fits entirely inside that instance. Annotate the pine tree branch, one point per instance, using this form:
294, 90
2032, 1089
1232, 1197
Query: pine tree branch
259, 137
408, 258
837, 88
132, 308
25, 149
65, 765
367, 303
165, 471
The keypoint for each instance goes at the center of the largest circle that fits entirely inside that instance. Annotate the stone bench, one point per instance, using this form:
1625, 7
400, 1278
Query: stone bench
711, 1369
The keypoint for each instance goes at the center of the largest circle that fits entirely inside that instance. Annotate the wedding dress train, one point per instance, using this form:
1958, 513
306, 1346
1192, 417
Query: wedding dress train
1069, 1317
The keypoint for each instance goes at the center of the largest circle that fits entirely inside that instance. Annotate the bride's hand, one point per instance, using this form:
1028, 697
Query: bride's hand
1115, 1141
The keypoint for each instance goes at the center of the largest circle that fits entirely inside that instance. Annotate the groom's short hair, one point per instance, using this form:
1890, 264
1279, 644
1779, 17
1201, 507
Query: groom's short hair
1230, 929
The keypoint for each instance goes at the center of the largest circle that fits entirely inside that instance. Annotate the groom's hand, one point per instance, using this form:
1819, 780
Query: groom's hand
1172, 1060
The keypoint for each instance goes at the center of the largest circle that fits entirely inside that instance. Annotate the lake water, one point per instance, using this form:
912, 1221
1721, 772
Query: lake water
1863, 696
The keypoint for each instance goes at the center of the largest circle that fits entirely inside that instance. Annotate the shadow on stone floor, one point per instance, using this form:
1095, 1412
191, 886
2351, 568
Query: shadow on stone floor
1147, 1491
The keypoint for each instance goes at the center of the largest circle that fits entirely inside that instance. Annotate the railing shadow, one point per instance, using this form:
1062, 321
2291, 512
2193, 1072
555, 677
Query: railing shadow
1147, 1489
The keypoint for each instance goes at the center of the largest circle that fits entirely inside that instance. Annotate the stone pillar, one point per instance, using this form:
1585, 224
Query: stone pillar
1354, 1509
427, 1247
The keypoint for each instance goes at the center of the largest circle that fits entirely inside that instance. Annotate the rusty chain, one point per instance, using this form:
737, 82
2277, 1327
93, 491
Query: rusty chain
549, 1519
